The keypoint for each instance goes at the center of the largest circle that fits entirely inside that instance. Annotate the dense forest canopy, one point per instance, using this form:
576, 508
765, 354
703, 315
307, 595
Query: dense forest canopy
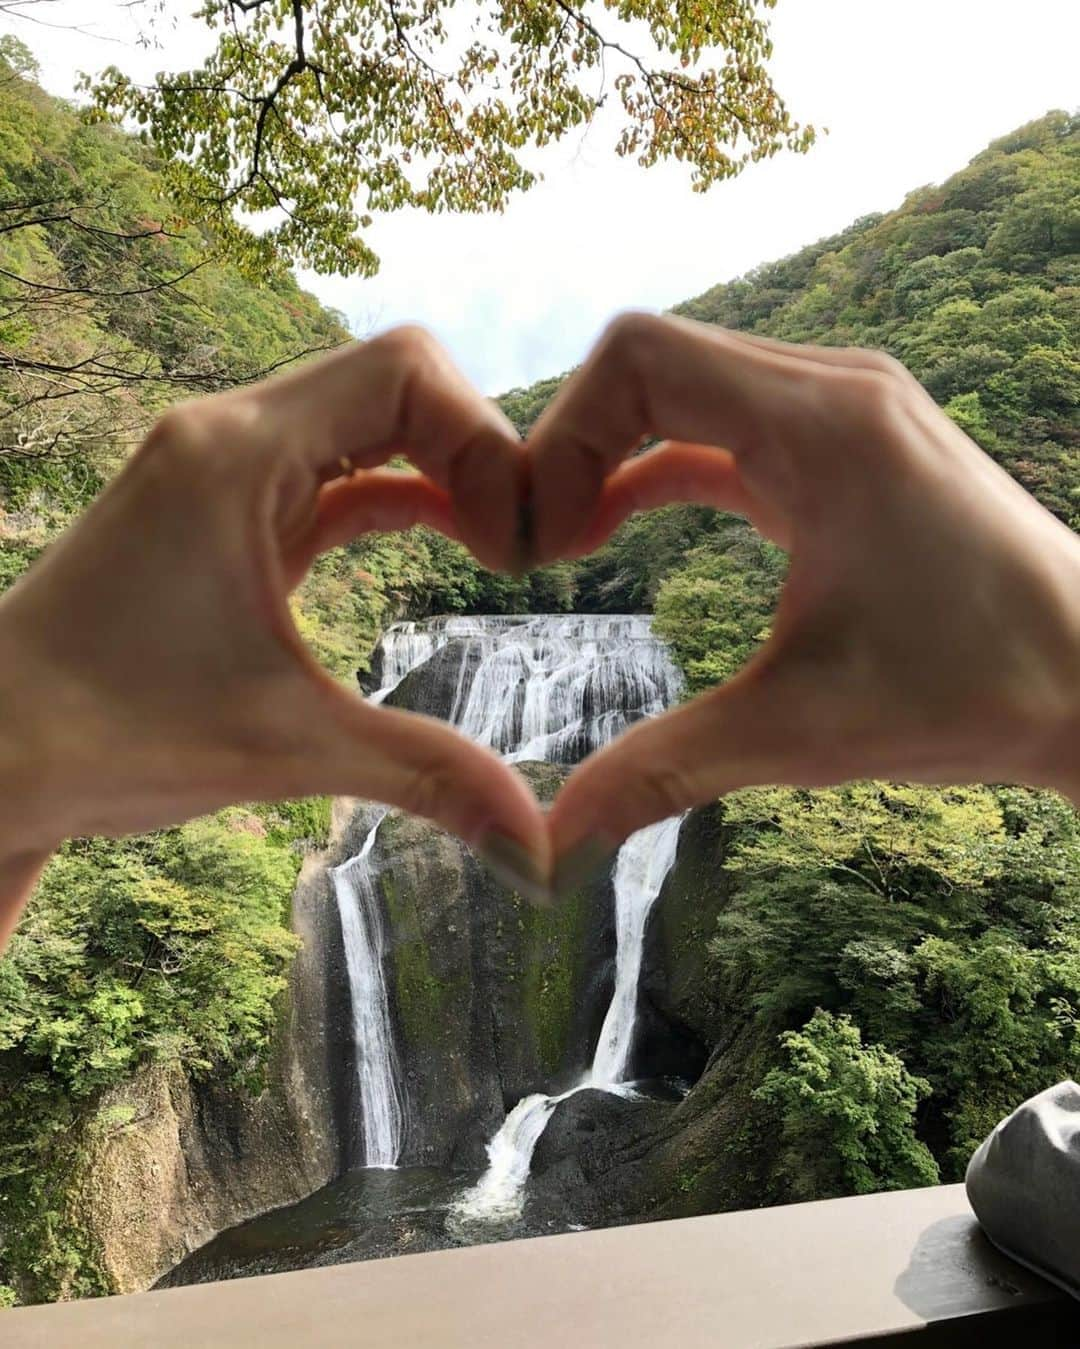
902, 964
309, 116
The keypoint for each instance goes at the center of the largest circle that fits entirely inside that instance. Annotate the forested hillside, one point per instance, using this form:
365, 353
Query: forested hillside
973, 284
902, 964
173, 948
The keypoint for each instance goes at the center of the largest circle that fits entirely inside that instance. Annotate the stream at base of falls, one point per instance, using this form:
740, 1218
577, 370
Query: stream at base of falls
365, 1215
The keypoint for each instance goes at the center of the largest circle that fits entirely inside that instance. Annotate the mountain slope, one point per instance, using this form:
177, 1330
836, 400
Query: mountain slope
974, 284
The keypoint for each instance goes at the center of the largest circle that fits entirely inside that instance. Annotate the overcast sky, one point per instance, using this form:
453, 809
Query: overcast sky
909, 91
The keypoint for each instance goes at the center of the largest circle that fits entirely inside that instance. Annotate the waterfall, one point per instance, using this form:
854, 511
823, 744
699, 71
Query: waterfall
641, 868
550, 687
497, 1195
553, 688
381, 1105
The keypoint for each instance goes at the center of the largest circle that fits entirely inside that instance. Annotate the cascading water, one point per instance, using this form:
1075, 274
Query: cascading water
382, 1108
643, 864
551, 688
641, 868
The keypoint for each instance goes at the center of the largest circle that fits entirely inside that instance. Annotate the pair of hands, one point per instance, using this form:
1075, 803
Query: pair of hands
929, 628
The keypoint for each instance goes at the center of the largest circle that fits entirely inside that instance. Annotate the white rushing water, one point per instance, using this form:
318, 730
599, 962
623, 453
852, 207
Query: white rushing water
641, 868
642, 865
554, 688
378, 1077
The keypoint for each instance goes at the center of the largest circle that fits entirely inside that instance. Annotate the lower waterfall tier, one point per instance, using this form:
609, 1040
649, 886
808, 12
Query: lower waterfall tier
490, 998
602, 1158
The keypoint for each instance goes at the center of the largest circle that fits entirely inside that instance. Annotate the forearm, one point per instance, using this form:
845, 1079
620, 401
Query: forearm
29, 813
1063, 760
1058, 765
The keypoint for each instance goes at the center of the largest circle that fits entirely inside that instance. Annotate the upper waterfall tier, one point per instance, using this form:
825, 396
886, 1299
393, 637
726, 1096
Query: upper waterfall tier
551, 687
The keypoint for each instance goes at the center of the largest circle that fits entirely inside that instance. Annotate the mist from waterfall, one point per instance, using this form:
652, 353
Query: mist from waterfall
552, 688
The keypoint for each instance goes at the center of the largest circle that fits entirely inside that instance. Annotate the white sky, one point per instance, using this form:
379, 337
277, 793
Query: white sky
909, 91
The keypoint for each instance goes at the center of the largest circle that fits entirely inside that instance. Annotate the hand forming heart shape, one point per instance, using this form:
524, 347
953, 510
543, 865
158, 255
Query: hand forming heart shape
928, 628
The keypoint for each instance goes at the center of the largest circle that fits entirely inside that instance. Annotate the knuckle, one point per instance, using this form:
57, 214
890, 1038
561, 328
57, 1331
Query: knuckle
410, 344
880, 362
173, 432
207, 431
632, 338
875, 398
659, 791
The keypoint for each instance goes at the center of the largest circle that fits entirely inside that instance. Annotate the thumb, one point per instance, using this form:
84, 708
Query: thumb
742, 734
420, 765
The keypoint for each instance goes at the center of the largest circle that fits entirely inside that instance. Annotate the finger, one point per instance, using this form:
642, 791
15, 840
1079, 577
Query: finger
330, 741
870, 360
420, 765
850, 358
368, 501
401, 393
685, 381
677, 472
747, 732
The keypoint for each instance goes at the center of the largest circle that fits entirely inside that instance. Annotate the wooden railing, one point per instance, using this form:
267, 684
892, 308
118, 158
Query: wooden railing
909, 1269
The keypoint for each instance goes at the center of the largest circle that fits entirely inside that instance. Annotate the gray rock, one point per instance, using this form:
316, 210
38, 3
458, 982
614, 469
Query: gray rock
433, 687
491, 997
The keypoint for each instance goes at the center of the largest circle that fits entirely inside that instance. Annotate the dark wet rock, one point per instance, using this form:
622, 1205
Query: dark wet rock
492, 998
435, 686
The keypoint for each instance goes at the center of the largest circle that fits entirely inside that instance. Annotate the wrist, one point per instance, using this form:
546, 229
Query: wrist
31, 766
1057, 749
19, 873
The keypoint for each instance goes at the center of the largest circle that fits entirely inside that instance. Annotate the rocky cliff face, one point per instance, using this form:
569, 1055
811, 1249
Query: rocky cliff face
492, 997
489, 998
603, 1160
168, 1162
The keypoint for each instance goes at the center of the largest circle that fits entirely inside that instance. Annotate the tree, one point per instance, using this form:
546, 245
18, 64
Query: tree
848, 1113
322, 112
103, 305
888, 837
716, 608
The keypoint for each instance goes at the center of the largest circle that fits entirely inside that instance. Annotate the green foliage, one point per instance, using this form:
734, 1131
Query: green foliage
944, 923
974, 285
285, 117
896, 936
626, 573
847, 1112
717, 608
886, 835
110, 308
940, 924
171, 948
299, 824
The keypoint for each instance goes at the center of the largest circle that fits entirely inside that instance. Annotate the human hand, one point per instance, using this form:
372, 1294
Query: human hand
149, 667
929, 628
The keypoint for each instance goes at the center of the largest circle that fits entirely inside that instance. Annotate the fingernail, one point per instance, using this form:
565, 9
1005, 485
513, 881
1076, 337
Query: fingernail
516, 868
584, 862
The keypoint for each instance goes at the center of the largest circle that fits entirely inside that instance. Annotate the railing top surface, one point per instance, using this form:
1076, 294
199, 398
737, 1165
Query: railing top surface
864, 1270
